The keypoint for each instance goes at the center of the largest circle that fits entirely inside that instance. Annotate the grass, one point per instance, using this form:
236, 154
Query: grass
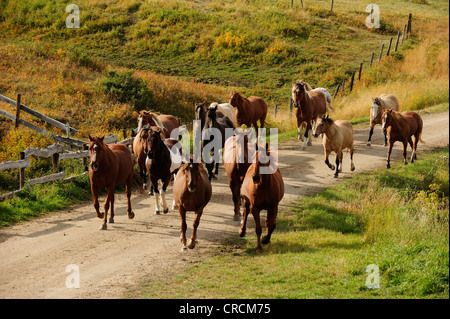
396, 219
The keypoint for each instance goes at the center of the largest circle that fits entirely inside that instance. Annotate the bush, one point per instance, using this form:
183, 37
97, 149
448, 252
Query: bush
125, 88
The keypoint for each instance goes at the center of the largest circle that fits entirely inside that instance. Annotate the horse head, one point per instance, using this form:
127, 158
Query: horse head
376, 103
149, 118
191, 172
299, 89
96, 150
256, 175
236, 99
211, 115
386, 119
322, 125
153, 142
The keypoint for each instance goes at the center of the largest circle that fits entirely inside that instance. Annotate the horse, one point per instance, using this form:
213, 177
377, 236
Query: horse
200, 113
227, 110
221, 124
337, 136
249, 110
163, 160
379, 104
166, 123
138, 150
261, 191
237, 160
191, 192
401, 127
309, 105
110, 165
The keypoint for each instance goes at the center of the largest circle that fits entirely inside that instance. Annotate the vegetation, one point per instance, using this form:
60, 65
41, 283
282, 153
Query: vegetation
396, 219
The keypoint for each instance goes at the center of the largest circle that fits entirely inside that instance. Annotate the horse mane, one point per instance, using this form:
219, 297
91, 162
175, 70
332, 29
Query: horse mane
306, 86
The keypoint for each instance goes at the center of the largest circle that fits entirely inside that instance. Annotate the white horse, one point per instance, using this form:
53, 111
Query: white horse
227, 109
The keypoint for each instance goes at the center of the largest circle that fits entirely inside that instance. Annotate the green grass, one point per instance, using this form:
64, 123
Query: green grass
396, 219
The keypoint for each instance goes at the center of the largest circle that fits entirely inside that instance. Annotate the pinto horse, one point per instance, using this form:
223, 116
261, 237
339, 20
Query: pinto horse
337, 136
166, 123
221, 124
309, 105
379, 104
191, 192
237, 156
200, 113
249, 110
261, 191
163, 160
110, 166
401, 127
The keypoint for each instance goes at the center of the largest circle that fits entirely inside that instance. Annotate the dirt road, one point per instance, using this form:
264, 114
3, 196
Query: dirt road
34, 255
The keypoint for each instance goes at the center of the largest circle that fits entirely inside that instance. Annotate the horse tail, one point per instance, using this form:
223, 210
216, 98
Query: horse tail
420, 138
138, 182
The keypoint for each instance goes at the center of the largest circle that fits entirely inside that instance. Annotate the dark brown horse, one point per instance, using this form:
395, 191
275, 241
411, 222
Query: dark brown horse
237, 155
163, 160
401, 127
200, 113
309, 105
249, 110
110, 166
191, 192
167, 123
261, 191
221, 124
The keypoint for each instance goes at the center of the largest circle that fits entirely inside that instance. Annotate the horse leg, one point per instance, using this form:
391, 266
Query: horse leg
352, 150
255, 213
128, 184
236, 191
163, 196
111, 215
198, 215
183, 228
94, 192
338, 156
300, 130
109, 196
155, 187
308, 128
405, 146
369, 143
385, 138
327, 154
246, 205
412, 149
391, 144
270, 224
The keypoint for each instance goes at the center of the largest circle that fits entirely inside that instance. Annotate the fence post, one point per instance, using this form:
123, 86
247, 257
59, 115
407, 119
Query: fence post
55, 158
17, 111
85, 159
337, 90
276, 110
371, 58
124, 133
389, 47
403, 35
343, 87
409, 24
332, 3
381, 53
352, 80
360, 71
69, 146
398, 39
21, 171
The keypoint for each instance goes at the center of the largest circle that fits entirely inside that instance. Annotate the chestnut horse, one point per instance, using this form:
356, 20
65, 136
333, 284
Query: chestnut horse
167, 123
163, 160
238, 155
401, 127
249, 110
110, 166
337, 136
309, 104
261, 191
222, 123
191, 192
379, 104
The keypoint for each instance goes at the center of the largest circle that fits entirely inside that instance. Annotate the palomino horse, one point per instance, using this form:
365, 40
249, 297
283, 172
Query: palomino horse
163, 160
337, 136
238, 155
221, 124
227, 110
379, 104
249, 110
401, 127
167, 123
110, 166
261, 191
191, 192
309, 104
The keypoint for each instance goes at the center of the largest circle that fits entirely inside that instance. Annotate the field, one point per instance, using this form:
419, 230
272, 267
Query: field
131, 55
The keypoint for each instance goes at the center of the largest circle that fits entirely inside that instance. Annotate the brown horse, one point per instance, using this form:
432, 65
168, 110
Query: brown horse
401, 127
138, 150
337, 136
261, 191
379, 104
200, 113
167, 123
237, 154
249, 110
191, 192
163, 160
110, 166
309, 105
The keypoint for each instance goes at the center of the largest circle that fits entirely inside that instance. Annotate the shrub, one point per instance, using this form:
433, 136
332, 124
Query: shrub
125, 88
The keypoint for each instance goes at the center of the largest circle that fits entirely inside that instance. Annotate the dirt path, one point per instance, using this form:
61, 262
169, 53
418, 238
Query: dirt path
34, 255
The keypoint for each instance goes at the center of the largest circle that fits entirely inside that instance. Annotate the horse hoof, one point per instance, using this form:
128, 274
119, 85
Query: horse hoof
166, 211
111, 221
144, 186
237, 217
309, 144
157, 212
388, 166
353, 168
131, 215
265, 240
335, 175
191, 245
100, 215
332, 167
103, 227
183, 249
151, 193
242, 233
385, 144
369, 144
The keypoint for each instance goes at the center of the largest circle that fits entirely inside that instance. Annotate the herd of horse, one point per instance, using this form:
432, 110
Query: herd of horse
158, 156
